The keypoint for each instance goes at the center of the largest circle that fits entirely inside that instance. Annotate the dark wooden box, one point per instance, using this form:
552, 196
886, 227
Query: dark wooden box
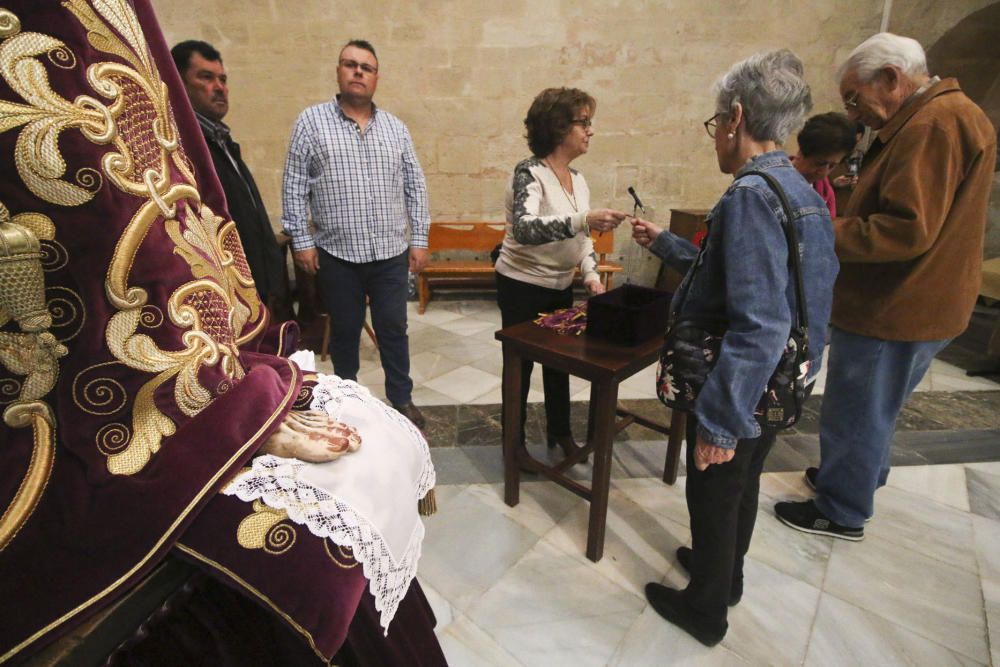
628, 315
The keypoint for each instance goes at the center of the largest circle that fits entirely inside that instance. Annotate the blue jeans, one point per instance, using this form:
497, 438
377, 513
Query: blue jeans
868, 380
344, 286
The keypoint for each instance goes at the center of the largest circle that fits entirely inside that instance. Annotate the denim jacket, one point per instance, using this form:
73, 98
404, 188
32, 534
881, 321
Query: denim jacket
741, 275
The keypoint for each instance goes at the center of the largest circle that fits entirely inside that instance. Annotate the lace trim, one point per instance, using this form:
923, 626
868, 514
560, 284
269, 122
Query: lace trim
274, 480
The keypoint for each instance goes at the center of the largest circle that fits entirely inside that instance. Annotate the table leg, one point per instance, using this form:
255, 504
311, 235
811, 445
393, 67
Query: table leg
603, 398
678, 422
511, 420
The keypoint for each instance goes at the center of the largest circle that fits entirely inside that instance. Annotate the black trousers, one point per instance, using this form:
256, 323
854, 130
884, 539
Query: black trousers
520, 301
722, 502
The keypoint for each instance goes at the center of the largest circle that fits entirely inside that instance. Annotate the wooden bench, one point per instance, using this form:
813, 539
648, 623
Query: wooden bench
481, 238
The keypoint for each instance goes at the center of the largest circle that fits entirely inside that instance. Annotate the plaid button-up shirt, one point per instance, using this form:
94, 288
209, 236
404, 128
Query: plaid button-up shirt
362, 189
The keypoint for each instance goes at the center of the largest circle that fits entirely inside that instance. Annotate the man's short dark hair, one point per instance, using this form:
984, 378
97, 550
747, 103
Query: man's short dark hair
182, 53
827, 134
551, 116
362, 44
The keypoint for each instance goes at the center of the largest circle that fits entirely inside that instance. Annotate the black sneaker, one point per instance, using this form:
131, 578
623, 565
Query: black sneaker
810, 477
805, 517
736, 592
669, 603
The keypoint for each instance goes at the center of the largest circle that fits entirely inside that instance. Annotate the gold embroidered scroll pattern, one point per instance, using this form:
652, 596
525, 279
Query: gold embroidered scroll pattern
207, 306
33, 353
344, 556
264, 529
145, 123
46, 116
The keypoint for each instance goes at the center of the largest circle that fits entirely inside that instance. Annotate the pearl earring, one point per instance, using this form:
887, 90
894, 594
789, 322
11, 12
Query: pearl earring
730, 135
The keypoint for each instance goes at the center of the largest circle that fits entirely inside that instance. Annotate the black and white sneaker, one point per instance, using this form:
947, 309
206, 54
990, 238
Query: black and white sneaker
805, 517
810, 477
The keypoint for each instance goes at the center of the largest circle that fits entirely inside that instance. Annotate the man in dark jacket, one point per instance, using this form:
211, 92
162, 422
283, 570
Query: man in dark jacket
204, 75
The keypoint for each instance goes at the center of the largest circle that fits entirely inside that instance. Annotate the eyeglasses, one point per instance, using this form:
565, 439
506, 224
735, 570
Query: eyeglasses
852, 101
711, 124
364, 67
582, 122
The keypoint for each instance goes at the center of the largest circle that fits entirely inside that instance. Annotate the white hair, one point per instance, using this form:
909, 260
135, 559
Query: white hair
770, 87
885, 50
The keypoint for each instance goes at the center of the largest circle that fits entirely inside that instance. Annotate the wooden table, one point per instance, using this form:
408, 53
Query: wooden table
605, 365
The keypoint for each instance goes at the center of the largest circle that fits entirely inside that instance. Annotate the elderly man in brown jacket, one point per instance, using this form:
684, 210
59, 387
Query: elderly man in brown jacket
910, 245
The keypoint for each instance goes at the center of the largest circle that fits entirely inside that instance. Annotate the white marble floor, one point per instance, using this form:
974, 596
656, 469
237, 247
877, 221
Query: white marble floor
923, 588
511, 586
455, 359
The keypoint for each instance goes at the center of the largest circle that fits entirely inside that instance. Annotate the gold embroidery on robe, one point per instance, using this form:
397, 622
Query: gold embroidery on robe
265, 529
219, 308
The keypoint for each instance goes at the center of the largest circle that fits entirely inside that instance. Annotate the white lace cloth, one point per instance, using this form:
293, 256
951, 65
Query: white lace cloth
365, 500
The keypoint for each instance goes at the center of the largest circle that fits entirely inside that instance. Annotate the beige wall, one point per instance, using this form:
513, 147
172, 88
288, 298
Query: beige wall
462, 74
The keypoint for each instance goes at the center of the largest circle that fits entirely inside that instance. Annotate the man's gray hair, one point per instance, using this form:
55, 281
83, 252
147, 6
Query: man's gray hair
885, 50
770, 87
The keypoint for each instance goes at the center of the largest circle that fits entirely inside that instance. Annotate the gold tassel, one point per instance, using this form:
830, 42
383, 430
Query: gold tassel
427, 505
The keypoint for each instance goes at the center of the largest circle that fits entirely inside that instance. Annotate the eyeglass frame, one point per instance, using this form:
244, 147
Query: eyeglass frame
852, 101
711, 126
585, 123
354, 64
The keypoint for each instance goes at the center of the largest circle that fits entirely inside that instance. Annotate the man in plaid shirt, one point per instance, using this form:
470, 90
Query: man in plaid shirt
352, 170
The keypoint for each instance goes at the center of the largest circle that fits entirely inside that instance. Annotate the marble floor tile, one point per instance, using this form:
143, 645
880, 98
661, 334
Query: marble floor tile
578, 642
453, 466
652, 641
639, 546
490, 363
467, 645
541, 504
763, 632
462, 569
470, 326
797, 554
987, 533
924, 526
654, 496
945, 484
435, 314
847, 635
984, 493
423, 395
786, 486
552, 608
988, 553
425, 366
463, 383
467, 350
642, 459
937, 600
548, 585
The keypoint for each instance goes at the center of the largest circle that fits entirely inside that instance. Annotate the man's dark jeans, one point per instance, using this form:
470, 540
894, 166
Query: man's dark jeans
345, 286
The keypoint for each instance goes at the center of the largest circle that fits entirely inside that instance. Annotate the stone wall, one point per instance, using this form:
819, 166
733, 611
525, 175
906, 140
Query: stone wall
962, 39
461, 74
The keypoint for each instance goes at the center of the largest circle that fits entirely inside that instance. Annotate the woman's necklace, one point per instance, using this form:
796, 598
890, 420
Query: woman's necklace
570, 197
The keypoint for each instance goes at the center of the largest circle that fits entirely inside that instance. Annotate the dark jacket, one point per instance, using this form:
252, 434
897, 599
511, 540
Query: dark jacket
247, 210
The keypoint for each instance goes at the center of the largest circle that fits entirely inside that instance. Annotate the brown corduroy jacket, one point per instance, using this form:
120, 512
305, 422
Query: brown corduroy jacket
911, 239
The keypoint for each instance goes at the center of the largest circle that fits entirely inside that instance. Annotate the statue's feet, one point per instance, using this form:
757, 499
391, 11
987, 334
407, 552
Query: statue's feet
312, 436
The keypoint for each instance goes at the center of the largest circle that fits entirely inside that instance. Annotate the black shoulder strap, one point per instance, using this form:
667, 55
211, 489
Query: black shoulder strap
793, 247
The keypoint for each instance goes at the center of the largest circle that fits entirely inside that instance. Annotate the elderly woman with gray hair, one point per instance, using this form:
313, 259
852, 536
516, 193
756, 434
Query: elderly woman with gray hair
740, 275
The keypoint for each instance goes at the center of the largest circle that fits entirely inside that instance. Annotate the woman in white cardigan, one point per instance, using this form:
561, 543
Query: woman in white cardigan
549, 222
